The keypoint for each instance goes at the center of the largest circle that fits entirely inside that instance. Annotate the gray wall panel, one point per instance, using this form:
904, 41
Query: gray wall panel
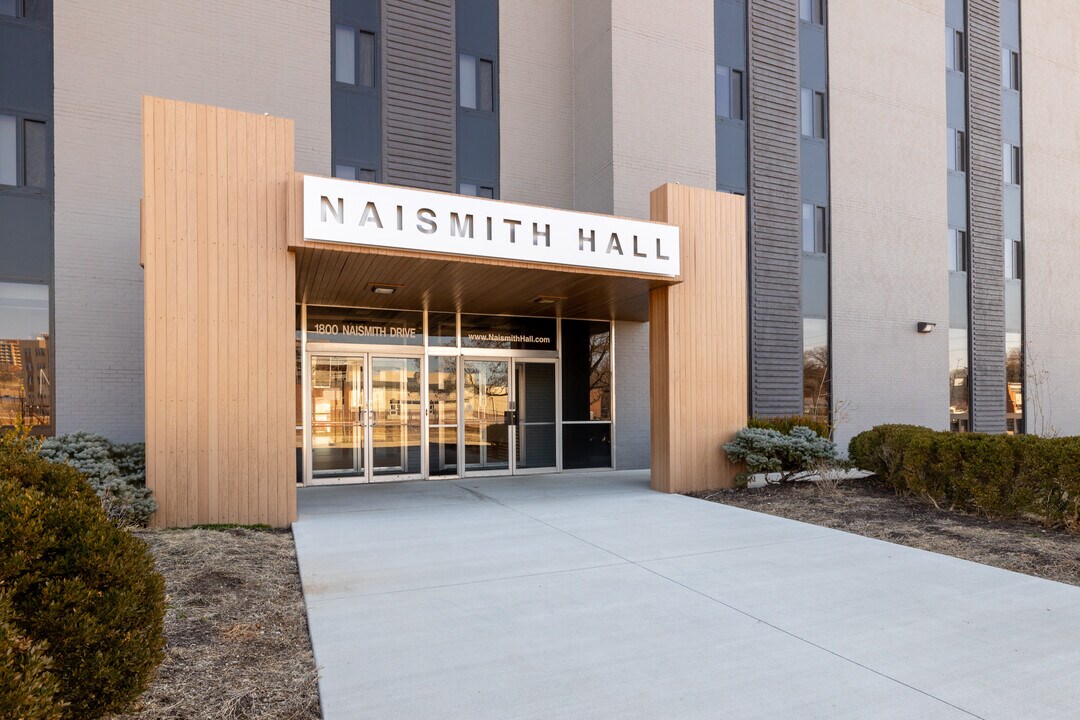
631, 395
1010, 100
26, 246
418, 103
986, 216
955, 99
775, 248
814, 171
958, 200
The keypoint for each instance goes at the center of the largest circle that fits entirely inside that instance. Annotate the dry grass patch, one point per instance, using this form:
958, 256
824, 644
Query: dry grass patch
236, 629
865, 508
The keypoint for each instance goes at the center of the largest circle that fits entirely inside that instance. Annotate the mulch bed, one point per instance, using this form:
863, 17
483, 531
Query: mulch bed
866, 508
236, 629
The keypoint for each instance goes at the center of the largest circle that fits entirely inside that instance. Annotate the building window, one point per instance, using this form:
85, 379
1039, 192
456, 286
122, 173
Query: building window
348, 171
484, 191
959, 392
811, 11
954, 50
1012, 164
586, 394
813, 229
729, 93
816, 368
812, 111
354, 56
476, 83
958, 150
958, 250
1010, 69
25, 368
1014, 259
23, 155
27, 9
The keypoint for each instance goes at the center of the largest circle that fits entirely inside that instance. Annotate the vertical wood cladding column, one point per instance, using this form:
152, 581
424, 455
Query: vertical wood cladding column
219, 299
697, 329
775, 247
419, 127
986, 199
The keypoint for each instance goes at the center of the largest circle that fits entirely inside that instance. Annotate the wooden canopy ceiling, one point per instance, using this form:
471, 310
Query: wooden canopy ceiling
332, 274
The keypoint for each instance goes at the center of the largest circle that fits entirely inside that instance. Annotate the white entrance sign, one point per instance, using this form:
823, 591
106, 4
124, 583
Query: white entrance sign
357, 213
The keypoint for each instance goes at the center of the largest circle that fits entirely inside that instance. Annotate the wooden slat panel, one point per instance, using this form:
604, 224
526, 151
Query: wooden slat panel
698, 342
219, 297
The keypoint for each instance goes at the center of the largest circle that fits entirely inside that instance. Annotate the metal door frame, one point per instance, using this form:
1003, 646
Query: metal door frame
367, 354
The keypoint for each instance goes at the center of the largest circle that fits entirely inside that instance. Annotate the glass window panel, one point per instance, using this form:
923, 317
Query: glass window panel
819, 230
723, 91
953, 257
816, 368
367, 59
345, 172
806, 111
345, 54
534, 395
9, 7
364, 325
486, 192
586, 445
487, 85
467, 81
806, 13
950, 50
1006, 68
1010, 258
1014, 378
507, 333
951, 132
34, 9
586, 370
961, 151
737, 94
366, 175
395, 416
819, 115
467, 189
960, 418
25, 367
1007, 163
808, 227
1015, 70
8, 144
442, 329
442, 415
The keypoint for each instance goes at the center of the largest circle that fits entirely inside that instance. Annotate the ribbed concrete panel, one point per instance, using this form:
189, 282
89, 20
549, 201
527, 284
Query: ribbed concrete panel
418, 93
986, 198
775, 250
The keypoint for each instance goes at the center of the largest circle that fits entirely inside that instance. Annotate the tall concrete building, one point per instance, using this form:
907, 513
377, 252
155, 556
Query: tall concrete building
910, 203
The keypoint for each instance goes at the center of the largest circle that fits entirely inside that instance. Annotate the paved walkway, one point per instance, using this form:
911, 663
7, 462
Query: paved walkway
589, 596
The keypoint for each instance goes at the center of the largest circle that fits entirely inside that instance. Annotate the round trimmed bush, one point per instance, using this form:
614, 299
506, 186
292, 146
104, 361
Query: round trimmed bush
80, 589
27, 689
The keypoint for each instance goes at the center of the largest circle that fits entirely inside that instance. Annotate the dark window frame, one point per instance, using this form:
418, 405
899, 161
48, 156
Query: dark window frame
481, 186
820, 225
1010, 69
817, 12
957, 50
20, 186
818, 109
358, 167
357, 85
959, 240
481, 59
1016, 175
21, 18
736, 94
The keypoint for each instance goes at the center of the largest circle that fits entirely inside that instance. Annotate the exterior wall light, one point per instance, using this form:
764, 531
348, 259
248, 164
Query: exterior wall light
926, 327
547, 299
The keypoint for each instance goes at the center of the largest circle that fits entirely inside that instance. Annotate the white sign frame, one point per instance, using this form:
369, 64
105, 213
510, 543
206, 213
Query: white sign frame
387, 216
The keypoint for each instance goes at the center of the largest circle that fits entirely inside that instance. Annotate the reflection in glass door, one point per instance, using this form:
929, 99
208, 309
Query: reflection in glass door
394, 417
534, 415
486, 395
337, 410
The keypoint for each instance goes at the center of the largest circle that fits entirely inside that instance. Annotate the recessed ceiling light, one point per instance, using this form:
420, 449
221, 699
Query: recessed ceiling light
547, 299
383, 288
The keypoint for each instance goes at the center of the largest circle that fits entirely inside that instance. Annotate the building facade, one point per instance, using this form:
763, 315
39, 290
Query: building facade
910, 227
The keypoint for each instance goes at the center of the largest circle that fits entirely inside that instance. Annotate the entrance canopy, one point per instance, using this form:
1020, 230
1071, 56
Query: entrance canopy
375, 245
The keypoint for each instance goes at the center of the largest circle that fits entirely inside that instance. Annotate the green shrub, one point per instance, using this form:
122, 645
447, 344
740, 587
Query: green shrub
993, 475
117, 472
27, 689
771, 451
789, 422
80, 588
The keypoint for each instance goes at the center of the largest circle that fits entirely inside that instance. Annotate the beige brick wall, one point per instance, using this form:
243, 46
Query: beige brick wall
593, 170
536, 109
889, 213
1051, 163
255, 55
664, 126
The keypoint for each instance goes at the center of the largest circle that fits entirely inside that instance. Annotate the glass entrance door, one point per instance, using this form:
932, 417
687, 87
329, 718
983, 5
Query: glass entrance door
365, 418
394, 417
487, 421
534, 416
337, 418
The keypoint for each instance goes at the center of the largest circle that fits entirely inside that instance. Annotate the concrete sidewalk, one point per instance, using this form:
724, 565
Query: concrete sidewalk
589, 596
